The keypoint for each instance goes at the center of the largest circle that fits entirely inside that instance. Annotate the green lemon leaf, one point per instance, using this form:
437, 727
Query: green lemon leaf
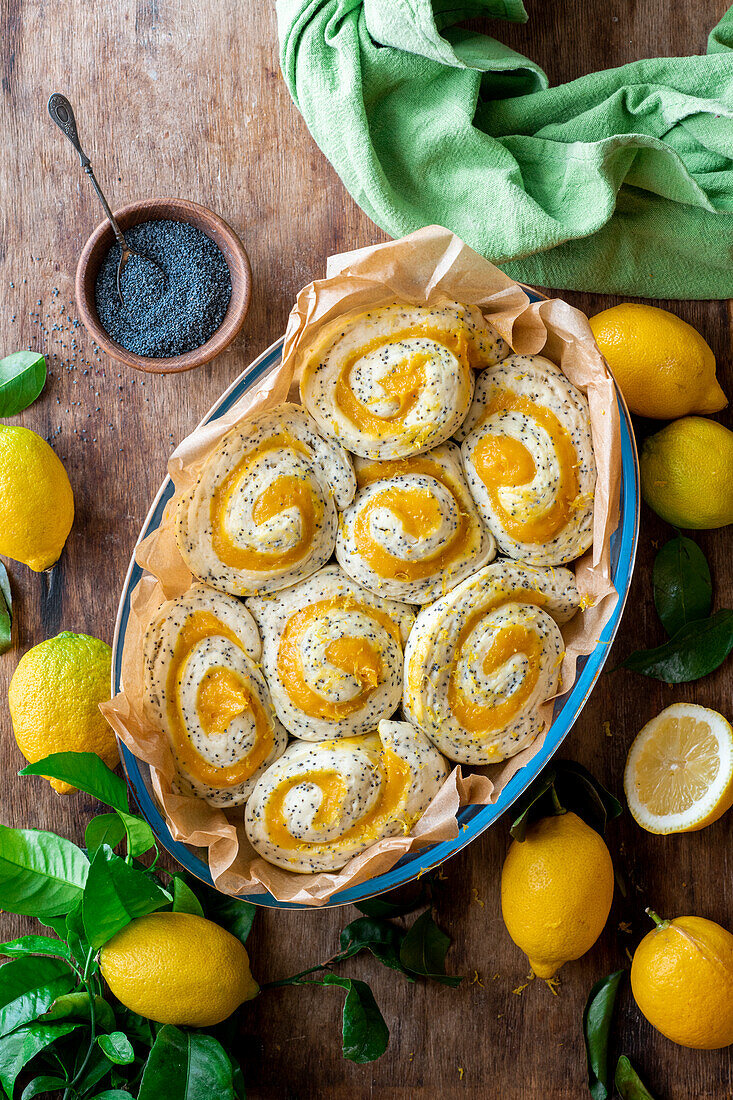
683, 589
103, 829
87, 772
58, 924
41, 874
365, 1034
117, 1047
184, 899
566, 786
397, 902
238, 1077
628, 1082
28, 987
140, 837
76, 938
22, 377
17, 1050
114, 1094
534, 804
42, 1084
596, 1030
581, 792
116, 893
137, 1027
5, 587
6, 611
378, 936
423, 951
234, 914
186, 1065
75, 1006
97, 1068
695, 651
35, 945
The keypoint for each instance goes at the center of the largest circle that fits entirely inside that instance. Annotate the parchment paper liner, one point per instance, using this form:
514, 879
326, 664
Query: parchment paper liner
429, 266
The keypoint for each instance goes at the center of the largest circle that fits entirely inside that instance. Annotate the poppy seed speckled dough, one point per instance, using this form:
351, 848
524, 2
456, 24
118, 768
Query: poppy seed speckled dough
377, 786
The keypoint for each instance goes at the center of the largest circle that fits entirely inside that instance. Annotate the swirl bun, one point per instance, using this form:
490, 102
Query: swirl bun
397, 381
413, 531
204, 688
480, 662
332, 655
320, 805
262, 515
529, 463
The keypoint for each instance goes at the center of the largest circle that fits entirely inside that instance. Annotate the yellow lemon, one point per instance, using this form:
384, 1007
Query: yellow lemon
177, 968
556, 891
664, 367
36, 500
679, 771
682, 981
686, 473
54, 699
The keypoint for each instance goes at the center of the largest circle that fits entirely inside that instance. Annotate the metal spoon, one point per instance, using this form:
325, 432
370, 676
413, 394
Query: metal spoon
61, 112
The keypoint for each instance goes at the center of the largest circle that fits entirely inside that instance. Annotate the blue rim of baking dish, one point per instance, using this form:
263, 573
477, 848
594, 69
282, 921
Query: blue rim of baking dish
472, 820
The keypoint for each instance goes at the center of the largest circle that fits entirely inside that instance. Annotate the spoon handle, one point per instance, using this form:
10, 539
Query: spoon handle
62, 113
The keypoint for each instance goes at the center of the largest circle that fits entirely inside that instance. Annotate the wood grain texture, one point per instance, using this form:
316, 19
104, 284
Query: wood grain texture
185, 98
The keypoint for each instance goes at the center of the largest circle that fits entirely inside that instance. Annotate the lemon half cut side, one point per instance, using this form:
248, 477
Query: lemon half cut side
679, 771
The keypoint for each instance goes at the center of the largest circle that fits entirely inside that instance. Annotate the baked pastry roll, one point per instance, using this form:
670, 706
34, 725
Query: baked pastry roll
397, 381
204, 688
321, 804
413, 531
482, 660
262, 514
332, 655
529, 463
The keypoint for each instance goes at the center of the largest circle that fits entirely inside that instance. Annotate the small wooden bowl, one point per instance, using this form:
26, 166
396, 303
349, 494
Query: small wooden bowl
179, 210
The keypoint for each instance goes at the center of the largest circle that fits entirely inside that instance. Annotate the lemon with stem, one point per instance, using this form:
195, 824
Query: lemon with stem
682, 981
556, 890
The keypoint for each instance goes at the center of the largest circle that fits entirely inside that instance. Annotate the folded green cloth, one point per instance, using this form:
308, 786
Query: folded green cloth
621, 181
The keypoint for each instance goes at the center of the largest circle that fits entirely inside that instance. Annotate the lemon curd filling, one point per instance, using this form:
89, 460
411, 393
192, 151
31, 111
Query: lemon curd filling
504, 462
510, 641
356, 656
419, 514
395, 780
222, 696
404, 381
286, 491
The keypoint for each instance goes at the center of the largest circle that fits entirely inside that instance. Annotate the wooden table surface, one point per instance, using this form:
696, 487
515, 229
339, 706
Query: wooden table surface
185, 98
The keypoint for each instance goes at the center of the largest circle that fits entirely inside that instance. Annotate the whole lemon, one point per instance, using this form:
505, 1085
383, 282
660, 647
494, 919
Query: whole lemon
682, 981
178, 968
556, 891
664, 367
36, 499
686, 473
54, 699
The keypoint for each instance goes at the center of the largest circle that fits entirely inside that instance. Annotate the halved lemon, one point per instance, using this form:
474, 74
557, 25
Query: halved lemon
679, 771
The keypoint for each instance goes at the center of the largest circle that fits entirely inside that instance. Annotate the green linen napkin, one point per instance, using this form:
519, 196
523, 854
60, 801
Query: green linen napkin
621, 181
